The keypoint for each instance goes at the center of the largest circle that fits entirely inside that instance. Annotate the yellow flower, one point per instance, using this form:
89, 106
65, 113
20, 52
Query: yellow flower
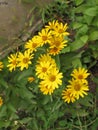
31, 79
46, 89
1, 66
45, 58
80, 73
61, 29
53, 79
43, 69
52, 25
32, 44
44, 36
54, 51
1, 101
24, 59
57, 43
12, 59
67, 96
77, 88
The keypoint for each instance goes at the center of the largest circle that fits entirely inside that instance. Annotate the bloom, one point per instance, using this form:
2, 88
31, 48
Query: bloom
12, 59
31, 79
1, 101
52, 25
61, 29
43, 68
67, 96
45, 58
24, 59
44, 36
46, 89
57, 43
77, 88
32, 44
80, 73
1, 66
52, 79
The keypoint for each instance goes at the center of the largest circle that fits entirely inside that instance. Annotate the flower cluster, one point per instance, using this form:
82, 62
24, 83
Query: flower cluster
49, 74
51, 39
53, 35
77, 87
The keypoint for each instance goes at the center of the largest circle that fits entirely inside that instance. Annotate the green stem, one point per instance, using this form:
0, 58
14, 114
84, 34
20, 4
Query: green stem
79, 121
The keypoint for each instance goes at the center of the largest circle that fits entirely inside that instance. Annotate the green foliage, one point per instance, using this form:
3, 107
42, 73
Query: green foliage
25, 107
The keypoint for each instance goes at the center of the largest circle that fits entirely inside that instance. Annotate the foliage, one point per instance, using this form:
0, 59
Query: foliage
24, 105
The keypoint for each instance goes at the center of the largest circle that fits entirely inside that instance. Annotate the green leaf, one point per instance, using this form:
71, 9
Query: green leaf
84, 38
77, 44
4, 124
77, 25
66, 49
76, 63
24, 74
25, 120
82, 113
93, 36
78, 2
57, 59
11, 107
91, 11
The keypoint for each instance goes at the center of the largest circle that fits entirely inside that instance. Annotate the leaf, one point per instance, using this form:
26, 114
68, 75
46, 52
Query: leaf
77, 25
91, 11
93, 36
82, 113
11, 107
25, 120
66, 49
84, 38
76, 63
57, 60
24, 74
78, 2
77, 45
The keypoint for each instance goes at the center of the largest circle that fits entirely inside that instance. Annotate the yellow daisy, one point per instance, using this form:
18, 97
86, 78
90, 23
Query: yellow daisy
67, 96
80, 73
1, 101
46, 89
45, 58
31, 79
32, 44
57, 43
44, 36
53, 79
24, 59
12, 59
43, 69
54, 51
1, 66
61, 29
52, 25
78, 88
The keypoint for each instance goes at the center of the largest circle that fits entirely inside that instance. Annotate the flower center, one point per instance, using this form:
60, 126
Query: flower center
44, 38
57, 43
25, 60
34, 45
55, 49
52, 78
80, 76
77, 87
60, 30
44, 69
14, 62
